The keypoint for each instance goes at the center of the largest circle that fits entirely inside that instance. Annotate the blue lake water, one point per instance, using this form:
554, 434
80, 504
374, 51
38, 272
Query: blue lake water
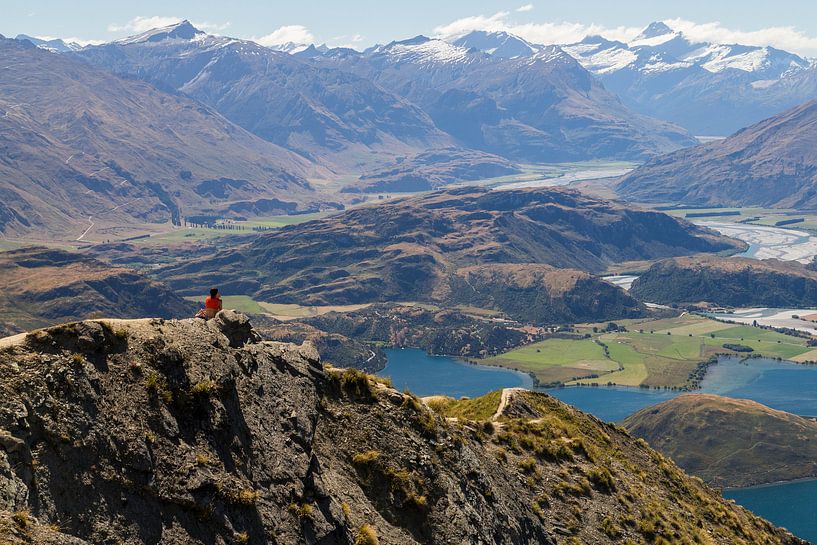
790, 505
781, 385
442, 375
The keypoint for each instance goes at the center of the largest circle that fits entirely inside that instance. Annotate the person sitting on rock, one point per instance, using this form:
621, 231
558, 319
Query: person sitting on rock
212, 304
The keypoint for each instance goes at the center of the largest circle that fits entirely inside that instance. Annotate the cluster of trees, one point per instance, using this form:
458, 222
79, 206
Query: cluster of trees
216, 226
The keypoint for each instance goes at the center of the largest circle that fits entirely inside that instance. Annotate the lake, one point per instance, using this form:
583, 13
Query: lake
443, 375
781, 385
790, 505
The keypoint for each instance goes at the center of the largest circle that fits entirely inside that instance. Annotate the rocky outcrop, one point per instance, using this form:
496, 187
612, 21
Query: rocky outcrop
179, 432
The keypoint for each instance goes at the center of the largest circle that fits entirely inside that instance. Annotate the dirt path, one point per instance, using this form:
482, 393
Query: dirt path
88, 229
503, 401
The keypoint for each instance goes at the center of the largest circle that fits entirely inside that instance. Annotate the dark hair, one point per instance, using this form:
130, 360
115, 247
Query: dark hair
213, 292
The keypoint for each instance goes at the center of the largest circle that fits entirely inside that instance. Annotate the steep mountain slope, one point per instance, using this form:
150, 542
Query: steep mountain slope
406, 249
79, 142
729, 442
736, 282
772, 163
708, 88
175, 432
326, 115
42, 287
540, 107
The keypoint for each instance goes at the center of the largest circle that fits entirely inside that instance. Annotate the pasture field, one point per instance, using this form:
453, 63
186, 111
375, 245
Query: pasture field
656, 353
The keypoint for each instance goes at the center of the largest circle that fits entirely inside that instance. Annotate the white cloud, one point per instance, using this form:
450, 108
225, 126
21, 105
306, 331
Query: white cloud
787, 38
542, 33
81, 41
141, 24
297, 34
526, 7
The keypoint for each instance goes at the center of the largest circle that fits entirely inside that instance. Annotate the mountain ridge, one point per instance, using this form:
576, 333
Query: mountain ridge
174, 431
335, 118
537, 108
771, 163
411, 248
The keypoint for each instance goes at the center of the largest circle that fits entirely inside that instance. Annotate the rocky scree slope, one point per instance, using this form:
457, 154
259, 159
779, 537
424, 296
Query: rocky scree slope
736, 282
407, 249
188, 431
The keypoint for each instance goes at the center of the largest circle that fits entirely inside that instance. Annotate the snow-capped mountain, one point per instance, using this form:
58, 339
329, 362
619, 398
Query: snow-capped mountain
538, 105
55, 44
660, 48
335, 118
708, 88
498, 44
295, 47
178, 31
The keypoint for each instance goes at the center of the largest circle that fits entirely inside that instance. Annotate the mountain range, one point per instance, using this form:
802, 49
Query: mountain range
174, 122
84, 148
345, 108
328, 116
541, 108
707, 88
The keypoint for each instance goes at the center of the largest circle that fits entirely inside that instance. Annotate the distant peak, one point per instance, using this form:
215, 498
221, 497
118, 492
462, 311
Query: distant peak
654, 30
182, 30
499, 43
417, 40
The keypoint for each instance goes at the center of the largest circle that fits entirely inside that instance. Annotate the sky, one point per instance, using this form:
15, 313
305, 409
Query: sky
787, 24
